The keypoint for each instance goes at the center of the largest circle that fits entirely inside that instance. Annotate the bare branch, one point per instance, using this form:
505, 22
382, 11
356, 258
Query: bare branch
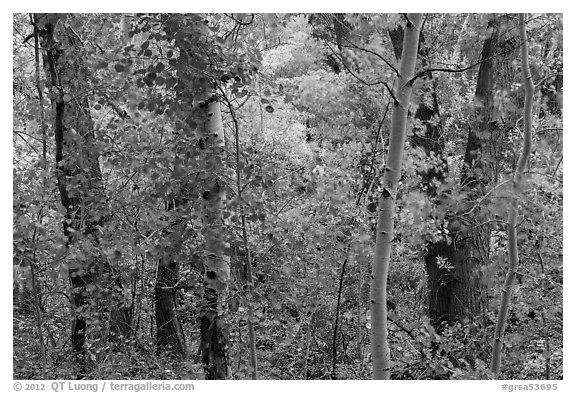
452, 70
362, 80
354, 46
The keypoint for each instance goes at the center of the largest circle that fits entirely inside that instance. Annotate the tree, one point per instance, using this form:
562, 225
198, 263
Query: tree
169, 331
213, 345
457, 288
386, 203
470, 232
206, 121
513, 215
77, 167
237, 164
428, 136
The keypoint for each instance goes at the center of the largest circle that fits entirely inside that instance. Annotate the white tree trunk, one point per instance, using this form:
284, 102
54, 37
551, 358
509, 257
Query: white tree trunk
386, 203
213, 345
513, 214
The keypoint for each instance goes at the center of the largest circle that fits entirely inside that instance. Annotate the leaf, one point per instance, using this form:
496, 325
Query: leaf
171, 82
119, 67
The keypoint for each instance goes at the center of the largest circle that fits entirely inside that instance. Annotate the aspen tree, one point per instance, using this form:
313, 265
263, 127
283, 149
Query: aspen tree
431, 142
202, 117
213, 345
386, 203
513, 213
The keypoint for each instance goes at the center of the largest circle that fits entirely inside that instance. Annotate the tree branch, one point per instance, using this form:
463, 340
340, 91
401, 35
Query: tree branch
451, 70
362, 80
354, 46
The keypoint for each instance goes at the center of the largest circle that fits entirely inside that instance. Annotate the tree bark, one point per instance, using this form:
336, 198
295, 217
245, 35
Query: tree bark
386, 203
456, 291
77, 168
513, 214
341, 32
169, 332
205, 122
213, 336
469, 233
432, 144
78, 175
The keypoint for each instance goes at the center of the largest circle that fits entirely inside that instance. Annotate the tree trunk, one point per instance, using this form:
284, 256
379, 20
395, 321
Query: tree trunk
213, 336
469, 232
77, 168
206, 121
386, 203
513, 214
432, 144
78, 174
456, 291
169, 332
341, 32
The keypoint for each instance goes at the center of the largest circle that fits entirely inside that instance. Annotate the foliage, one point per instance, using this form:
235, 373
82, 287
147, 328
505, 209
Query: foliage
311, 146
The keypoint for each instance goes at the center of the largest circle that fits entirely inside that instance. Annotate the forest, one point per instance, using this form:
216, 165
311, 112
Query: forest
303, 196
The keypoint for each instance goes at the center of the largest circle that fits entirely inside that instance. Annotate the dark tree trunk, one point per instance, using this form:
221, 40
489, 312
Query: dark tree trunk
333, 29
462, 293
121, 321
169, 332
470, 232
455, 289
213, 341
78, 174
77, 168
432, 144
459, 293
